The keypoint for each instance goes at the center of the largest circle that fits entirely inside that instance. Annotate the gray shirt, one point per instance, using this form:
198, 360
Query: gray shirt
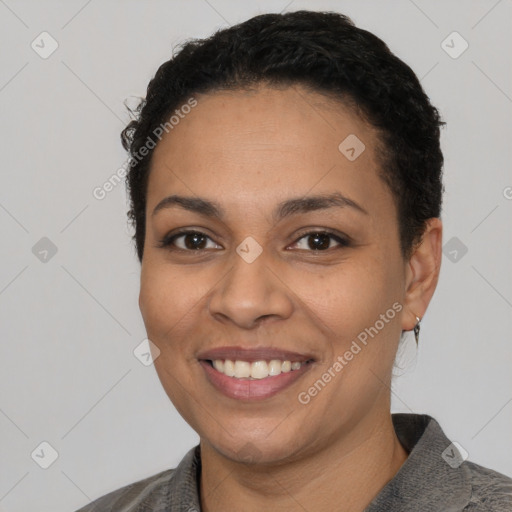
434, 478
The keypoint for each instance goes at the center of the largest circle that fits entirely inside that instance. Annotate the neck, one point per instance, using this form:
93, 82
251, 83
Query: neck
354, 469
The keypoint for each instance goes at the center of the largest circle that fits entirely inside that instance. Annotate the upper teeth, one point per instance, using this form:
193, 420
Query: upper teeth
256, 369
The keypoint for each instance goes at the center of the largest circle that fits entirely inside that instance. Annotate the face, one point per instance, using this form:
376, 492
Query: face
272, 272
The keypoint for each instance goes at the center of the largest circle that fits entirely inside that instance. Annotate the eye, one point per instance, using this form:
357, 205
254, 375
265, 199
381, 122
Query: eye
320, 241
316, 241
191, 241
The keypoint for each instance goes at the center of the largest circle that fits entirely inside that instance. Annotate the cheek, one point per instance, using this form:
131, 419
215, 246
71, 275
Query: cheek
347, 297
166, 296
163, 310
167, 310
153, 299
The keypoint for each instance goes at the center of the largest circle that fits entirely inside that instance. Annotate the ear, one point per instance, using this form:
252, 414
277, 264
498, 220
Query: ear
422, 273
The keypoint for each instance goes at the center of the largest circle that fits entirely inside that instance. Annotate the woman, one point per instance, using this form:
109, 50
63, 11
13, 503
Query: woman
286, 192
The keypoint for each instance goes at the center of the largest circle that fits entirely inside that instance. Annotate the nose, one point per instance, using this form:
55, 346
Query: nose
250, 293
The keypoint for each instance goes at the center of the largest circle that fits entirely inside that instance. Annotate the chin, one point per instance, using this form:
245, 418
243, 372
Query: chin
257, 449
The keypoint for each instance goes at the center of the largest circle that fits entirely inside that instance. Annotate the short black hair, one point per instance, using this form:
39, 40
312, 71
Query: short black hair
328, 54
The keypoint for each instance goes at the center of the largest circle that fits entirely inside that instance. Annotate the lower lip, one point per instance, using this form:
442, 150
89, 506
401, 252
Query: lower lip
252, 389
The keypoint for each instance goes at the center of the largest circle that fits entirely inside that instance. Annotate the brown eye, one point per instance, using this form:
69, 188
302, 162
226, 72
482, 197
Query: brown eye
194, 241
189, 241
319, 241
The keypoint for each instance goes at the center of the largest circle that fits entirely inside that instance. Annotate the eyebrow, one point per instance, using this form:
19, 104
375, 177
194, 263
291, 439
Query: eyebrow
284, 209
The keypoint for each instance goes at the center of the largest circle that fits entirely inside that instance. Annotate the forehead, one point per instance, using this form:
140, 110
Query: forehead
267, 115
266, 142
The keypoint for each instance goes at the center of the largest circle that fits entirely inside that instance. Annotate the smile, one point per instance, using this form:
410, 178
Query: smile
254, 374
255, 370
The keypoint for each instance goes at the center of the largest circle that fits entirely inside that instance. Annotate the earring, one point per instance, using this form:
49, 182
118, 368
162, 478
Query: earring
416, 330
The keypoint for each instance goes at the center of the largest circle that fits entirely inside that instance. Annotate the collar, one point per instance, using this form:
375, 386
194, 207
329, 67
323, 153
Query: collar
424, 482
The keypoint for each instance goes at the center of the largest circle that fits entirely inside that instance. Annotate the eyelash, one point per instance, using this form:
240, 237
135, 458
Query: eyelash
167, 241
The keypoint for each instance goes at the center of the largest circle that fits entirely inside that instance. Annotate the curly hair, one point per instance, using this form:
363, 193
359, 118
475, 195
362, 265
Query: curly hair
328, 54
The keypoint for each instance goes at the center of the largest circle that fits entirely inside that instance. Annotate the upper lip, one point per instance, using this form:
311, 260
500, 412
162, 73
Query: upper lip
252, 354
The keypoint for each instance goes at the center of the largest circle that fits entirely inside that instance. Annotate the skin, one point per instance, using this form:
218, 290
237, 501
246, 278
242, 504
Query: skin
248, 151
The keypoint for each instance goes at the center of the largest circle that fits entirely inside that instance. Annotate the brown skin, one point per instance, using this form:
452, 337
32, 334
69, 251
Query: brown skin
249, 151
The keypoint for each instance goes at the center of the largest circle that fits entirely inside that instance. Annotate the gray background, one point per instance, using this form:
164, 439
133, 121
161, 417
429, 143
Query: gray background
69, 324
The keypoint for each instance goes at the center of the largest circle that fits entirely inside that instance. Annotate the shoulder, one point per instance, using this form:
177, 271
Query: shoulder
172, 489
437, 475
491, 490
135, 497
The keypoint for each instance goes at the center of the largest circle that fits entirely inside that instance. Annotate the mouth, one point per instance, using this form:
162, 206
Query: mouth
253, 374
257, 369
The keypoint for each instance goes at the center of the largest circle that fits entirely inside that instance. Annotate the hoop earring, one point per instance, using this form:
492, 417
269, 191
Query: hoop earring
416, 330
